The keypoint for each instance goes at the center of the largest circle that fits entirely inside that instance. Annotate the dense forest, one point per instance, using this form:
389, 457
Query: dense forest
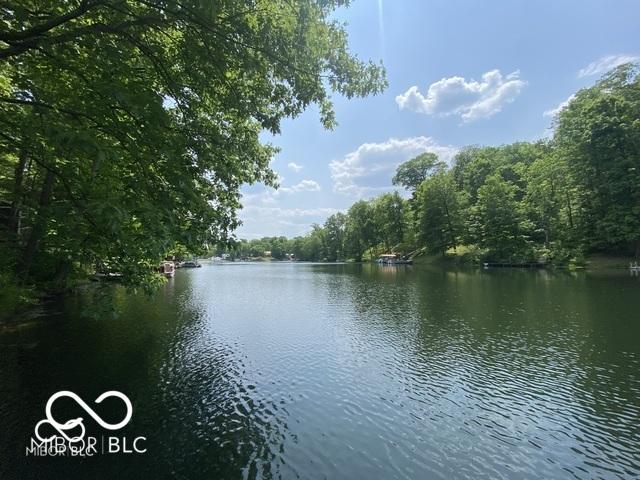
127, 127
556, 200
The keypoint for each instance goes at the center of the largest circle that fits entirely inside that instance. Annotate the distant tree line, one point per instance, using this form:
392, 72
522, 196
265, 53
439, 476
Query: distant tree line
557, 199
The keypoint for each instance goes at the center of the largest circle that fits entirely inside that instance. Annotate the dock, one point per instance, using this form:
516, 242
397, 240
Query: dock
513, 265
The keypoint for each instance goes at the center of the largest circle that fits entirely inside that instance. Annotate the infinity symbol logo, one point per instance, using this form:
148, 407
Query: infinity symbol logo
61, 428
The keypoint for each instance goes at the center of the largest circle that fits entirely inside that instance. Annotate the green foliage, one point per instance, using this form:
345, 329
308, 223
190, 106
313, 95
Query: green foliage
368, 225
549, 203
598, 136
361, 229
553, 201
13, 297
412, 173
388, 214
127, 128
473, 165
497, 223
440, 213
335, 230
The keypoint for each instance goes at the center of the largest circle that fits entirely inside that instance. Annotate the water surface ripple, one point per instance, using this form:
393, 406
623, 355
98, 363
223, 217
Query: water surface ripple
343, 371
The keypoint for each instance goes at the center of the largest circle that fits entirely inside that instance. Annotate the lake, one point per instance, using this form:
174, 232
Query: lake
312, 371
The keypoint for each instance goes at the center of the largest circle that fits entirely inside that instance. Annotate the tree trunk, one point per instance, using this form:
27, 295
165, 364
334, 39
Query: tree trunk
546, 235
570, 213
39, 226
16, 201
62, 273
451, 233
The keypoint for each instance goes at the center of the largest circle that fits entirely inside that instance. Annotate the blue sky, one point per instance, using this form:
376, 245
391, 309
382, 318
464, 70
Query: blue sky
460, 72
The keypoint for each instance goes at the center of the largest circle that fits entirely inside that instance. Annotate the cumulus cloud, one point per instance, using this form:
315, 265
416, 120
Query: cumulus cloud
606, 63
294, 166
555, 111
371, 166
470, 99
303, 186
265, 220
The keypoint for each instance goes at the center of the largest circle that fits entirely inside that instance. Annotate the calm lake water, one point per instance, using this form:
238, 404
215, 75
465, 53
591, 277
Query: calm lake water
340, 371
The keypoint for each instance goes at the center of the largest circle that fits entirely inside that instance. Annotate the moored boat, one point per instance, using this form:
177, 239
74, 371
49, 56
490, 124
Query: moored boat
168, 269
191, 264
393, 259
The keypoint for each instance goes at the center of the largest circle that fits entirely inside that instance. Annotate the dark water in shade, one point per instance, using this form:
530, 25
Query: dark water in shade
340, 371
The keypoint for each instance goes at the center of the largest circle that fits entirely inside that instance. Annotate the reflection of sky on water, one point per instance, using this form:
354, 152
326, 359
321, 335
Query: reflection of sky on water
345, 371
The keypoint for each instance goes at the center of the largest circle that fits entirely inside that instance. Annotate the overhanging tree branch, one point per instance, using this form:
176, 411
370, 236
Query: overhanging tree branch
38, 30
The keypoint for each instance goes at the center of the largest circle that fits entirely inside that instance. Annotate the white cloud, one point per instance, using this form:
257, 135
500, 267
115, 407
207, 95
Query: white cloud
261, 220
294, 166
471, 100
606, 63
369, 169
555, 111
303, 186
269, 196
280, 212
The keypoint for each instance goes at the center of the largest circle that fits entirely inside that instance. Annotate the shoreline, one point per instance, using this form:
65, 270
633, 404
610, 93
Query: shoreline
30, 313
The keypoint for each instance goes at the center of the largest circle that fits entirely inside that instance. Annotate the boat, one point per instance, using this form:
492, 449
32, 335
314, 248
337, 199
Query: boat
191, 264
393, 259
168, 269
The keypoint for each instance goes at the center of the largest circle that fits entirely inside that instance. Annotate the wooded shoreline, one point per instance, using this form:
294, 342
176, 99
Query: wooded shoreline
556, 201
120, 152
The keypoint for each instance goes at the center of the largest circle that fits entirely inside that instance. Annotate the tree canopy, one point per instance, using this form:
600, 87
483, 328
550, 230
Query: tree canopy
598, 139
127, 127
412, 173
555, 200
